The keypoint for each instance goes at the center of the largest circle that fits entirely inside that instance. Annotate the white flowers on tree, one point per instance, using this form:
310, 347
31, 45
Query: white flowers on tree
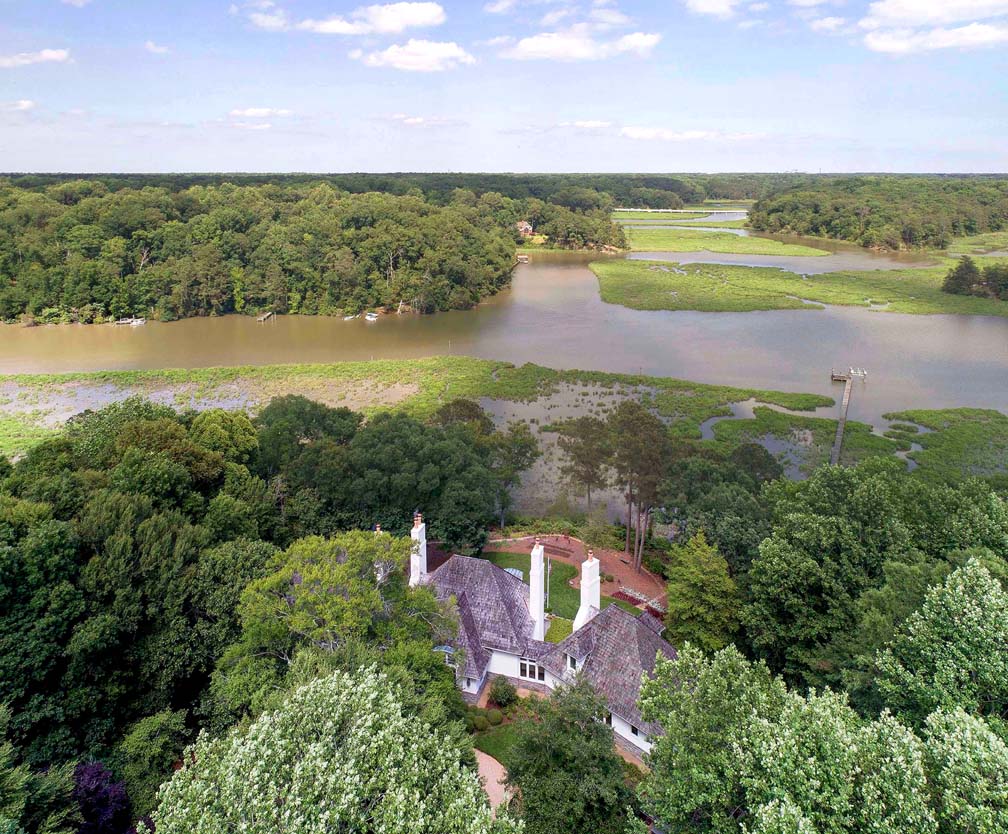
338, 756
951, 653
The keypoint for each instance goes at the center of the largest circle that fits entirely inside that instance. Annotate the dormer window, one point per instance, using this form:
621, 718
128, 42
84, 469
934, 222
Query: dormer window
572, 663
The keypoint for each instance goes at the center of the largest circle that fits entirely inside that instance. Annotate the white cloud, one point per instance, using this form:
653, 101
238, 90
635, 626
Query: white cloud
756, 8
807, 4
388, 19
587, 124
554, 17
908, 14
578, 44
827, 24
407, 120
23, 59
905, 41
719, 8
606, 18
271, 21
78, 3
900, 27
417, 56
252, 125
500, 6
652, 134
20, 106
154, 49
259, 112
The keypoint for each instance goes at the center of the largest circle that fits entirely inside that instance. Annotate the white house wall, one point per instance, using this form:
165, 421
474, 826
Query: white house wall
622, 729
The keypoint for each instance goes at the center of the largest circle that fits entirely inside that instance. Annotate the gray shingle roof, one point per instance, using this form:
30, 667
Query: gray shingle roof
618, 648
494, 600
621, 648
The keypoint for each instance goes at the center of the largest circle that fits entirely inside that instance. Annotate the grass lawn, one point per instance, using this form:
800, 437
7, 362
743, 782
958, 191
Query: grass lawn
559, 630
497, 741
713, 224
690, 240
654, 285
564, 600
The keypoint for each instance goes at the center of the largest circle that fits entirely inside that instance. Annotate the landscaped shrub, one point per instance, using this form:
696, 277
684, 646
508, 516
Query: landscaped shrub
480, 723
470, 723
503, 692
495, 717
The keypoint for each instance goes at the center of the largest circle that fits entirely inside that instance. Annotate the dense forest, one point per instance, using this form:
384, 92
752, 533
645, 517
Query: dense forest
894, 212
76, 250
213, 580
650, 190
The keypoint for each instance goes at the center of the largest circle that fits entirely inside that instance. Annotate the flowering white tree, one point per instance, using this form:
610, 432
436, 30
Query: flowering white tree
951, 653
338, 756
968, 771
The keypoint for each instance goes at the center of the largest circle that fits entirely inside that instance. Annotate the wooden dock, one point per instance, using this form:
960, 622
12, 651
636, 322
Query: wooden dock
265, 317
847, 378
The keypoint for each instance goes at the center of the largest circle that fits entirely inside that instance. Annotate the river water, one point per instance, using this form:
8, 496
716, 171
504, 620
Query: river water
552, 315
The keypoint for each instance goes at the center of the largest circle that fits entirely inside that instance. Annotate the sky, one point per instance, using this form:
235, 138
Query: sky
504, 85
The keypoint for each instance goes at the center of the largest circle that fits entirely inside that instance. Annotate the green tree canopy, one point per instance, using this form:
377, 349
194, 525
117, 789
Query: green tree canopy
340, 754
564, 771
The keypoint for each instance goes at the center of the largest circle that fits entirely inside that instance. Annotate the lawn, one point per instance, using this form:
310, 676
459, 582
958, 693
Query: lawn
497, 741
659, 285
564, 600
691, 240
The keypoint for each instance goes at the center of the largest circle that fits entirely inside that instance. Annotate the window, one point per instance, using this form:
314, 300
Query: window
608, 718
571, 662
468, 682
530, 670
634, 730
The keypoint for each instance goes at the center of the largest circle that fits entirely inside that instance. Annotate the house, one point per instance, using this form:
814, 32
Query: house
525, 228
502, 625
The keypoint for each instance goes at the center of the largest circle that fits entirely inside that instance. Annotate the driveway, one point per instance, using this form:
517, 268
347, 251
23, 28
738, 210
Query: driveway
492, 773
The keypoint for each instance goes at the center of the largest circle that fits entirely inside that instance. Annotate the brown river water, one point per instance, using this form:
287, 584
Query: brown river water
552, 315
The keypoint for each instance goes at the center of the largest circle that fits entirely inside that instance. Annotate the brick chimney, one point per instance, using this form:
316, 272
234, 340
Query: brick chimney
591, 591
537, 601
418, 553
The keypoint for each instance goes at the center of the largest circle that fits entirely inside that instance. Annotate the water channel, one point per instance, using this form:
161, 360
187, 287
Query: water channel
552, 315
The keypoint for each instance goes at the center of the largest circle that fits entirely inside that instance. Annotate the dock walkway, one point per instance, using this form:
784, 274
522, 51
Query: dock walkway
847, 378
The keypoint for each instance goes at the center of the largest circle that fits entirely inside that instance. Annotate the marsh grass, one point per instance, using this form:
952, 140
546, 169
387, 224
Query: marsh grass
690, 240
660, 285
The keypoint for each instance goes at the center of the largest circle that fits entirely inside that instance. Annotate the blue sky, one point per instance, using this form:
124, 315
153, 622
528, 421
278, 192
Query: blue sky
504, 85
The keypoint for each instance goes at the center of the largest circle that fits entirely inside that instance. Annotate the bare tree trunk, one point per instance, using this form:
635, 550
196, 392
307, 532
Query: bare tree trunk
589, 499
642, 538
629, 510
637, 531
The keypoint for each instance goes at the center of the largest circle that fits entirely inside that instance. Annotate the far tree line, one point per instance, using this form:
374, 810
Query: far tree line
78, 251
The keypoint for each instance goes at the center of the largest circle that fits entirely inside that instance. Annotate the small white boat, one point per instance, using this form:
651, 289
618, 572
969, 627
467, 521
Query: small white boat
137, 322
351, 318
371, 317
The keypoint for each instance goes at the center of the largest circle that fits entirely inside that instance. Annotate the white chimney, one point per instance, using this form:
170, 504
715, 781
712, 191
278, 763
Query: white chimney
591, 592
418, 553
537, 601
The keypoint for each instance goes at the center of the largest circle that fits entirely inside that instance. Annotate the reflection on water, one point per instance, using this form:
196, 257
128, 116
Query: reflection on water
552, 315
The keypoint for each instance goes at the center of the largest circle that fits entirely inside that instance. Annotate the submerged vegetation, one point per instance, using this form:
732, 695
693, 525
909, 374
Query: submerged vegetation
661, 285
